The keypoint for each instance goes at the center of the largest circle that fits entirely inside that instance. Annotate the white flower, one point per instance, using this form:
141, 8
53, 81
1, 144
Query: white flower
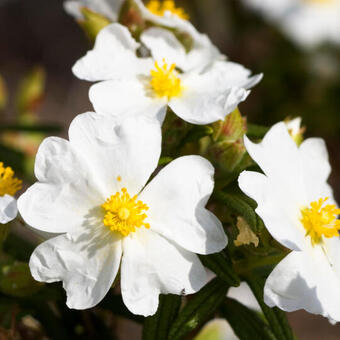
308, 22
91, 188
9, 185
298, 209
160, 13
131, 84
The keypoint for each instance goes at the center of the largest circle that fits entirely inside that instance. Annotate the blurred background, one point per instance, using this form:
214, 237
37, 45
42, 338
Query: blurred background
38, 39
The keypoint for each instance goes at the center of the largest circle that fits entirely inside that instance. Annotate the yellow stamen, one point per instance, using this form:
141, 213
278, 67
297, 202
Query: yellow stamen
320, 220
119, 178
8, 184
124, 213
159, 8
165, 81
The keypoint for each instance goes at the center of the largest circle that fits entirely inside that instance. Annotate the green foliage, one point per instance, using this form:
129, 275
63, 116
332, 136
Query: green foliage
199, 308
246, 323
276, 318
221, 265
157, 326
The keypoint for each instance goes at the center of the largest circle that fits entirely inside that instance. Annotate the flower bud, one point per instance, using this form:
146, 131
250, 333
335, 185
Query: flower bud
31, 90
92, 23
295, 129
228, 149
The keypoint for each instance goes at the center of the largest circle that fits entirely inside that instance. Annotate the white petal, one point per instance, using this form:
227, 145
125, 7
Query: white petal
87, 265
8, 209
278, 209
126, 97
202, 53
210, 96
109, 9
316, 168
129, 149
304, 280
278, 157
113, 57
66, 192
243, 294
151, 265
177, 197
164, 45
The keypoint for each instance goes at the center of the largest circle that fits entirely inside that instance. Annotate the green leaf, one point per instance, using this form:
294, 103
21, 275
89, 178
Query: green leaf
256, 131
241, 205
276, 318
221, 265
30, 128
199, 308
164, 160
3, 94
16, 280
246, 323
11, 157
157, 326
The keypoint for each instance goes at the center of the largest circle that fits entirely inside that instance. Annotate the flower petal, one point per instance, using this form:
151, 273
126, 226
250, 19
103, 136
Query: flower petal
278, 209
109, 9
316, 168
210, 96
202, 53
177, 197
113, 56
8, 209
86, 264
151, 265
304, 280
66, 192
113, 98
128, 150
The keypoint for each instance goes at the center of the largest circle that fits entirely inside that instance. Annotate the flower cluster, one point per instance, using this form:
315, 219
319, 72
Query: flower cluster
118, 210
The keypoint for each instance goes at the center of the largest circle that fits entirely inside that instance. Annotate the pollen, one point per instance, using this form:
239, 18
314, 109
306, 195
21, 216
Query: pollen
124, 213
165, 81
160, 7
8, 183
320, 220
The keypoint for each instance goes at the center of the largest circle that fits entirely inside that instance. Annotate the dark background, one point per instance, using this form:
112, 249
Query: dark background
296, 82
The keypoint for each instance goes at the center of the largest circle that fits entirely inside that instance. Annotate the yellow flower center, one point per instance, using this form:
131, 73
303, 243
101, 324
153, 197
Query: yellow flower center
8, 184
124, 213
165, 81
160, 7
320, 220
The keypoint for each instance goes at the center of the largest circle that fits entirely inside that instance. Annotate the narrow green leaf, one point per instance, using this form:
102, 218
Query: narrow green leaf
199, 308
31, 128
221, 265
240, 205
276, 318
197, 133
246, 323
164, 160
157, 326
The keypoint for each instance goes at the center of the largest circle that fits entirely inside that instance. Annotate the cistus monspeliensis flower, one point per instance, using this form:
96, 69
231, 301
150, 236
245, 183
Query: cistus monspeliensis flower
9, 185
131, 85
93, 189
159, 13
308, 22
298, 209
